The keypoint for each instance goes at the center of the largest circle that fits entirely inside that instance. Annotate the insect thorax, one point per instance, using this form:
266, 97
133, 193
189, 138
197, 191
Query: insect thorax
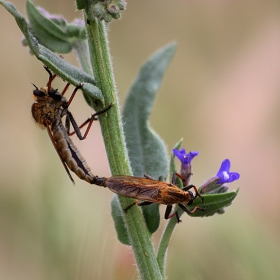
173, 196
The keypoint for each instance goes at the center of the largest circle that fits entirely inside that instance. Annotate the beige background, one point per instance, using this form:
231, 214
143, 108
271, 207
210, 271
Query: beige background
220, 93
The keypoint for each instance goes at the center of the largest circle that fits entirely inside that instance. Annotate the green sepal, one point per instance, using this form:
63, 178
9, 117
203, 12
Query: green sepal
147, 151
213, 203
104, 10
117, 215
58, 65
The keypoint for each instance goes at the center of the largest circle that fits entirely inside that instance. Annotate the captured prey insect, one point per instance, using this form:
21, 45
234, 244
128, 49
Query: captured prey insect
151, 191
48, 111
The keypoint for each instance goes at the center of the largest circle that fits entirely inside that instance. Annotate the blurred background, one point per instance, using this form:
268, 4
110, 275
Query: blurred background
221, 93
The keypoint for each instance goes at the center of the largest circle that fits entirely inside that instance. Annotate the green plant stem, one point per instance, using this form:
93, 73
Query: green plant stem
81, 50
163, 244
116, 150
170, 226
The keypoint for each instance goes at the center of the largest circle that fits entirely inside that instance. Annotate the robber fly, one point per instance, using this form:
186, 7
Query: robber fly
48, 111
151, 191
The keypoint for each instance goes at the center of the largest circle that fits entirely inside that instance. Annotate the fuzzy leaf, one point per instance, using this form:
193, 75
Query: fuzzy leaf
147, 151
213, 203
47, 32
58, 65
120, 227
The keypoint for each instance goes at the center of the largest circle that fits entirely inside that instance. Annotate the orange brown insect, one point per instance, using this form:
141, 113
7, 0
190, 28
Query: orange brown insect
149, 191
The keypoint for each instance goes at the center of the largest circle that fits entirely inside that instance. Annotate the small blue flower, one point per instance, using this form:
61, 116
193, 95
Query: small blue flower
224, 175
184, 157
186, 167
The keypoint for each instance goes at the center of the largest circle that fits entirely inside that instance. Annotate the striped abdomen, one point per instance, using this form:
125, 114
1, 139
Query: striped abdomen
69, 153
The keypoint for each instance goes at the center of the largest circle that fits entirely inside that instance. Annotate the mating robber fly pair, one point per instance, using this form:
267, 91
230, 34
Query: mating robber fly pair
49, 109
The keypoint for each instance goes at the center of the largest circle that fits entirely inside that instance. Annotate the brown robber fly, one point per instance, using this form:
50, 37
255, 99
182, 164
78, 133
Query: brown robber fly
48, 111
151, 191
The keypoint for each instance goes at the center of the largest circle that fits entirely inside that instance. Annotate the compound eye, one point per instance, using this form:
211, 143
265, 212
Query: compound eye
38, 93
54, 94
191, 198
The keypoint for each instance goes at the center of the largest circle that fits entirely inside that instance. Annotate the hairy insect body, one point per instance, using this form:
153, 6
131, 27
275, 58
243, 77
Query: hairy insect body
48, 110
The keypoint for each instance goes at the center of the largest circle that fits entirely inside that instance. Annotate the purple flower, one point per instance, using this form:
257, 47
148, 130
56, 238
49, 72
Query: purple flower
184, 157
224, 175
186, 168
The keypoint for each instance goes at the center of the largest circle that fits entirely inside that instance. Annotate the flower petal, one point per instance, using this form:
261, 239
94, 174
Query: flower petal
185, 157
224, 175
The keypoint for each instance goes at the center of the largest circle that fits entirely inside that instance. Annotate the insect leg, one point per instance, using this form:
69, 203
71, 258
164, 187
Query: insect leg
89, 121
168, 211
51, 77
64, 90
73, 93
177, 175
130, 205
70, 118
148, 176
143, 203
178, 218
183, 207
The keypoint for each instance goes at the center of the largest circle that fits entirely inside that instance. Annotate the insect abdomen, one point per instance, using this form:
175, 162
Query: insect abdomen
69, 153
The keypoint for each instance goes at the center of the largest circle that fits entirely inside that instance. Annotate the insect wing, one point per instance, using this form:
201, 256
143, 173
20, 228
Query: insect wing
135, 187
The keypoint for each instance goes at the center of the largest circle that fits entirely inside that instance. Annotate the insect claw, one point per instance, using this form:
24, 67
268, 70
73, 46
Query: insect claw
200, 197
178, 218
48, 70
